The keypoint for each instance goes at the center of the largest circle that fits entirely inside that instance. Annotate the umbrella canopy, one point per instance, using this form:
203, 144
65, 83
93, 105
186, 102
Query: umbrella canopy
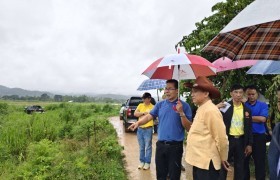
265, 67
150, 84
226, 64
253, 34
180, 66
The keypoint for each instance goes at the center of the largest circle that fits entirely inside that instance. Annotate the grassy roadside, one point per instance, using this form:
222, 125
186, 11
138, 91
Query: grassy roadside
69, 141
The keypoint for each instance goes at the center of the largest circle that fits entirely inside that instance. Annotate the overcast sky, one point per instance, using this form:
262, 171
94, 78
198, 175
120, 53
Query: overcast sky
90, 46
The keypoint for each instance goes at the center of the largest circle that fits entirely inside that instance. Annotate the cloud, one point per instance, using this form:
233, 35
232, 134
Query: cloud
90, 46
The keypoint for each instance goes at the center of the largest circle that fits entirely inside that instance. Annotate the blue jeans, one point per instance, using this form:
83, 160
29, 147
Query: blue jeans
145, 136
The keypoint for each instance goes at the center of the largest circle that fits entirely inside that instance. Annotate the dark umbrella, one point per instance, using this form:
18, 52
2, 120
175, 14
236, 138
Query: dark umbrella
253, 34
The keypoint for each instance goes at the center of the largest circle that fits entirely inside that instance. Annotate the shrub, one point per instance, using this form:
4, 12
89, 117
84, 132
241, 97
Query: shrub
39, 161
107, 108
3, 108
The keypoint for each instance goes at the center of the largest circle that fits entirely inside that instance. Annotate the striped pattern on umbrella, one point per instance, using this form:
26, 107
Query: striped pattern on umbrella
255, 42
180, 66
150, 84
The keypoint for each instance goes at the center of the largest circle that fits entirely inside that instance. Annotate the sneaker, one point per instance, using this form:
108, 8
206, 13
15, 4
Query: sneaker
141, 165
146, 166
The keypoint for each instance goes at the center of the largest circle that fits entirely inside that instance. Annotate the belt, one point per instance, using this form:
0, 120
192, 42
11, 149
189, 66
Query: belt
146, 127
170, 142
236, 136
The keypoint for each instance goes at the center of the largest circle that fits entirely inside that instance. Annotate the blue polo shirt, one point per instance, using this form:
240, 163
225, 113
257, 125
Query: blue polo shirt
258, 109
170, 127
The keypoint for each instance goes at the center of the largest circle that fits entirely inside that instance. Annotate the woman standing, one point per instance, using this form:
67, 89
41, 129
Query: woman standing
145, 132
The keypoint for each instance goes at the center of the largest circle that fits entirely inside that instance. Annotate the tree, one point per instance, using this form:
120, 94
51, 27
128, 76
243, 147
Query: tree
45, 97
57, 98
206, 30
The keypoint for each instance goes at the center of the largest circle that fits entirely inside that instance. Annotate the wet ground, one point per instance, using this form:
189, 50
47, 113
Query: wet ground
131, 152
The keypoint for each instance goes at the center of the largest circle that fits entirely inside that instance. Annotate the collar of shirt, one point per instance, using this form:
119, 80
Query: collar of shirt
238, 107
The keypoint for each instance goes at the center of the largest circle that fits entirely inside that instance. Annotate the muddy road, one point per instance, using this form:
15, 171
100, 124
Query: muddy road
131, 152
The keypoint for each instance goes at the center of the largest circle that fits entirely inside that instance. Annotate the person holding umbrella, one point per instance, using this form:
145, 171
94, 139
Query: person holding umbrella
145, 132
174, 117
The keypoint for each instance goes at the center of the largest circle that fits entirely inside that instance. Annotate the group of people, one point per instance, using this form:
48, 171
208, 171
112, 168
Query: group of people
232, 132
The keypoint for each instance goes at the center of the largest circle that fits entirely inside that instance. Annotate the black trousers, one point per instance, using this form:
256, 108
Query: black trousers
168, 160
203, 174
236, 151
259, 156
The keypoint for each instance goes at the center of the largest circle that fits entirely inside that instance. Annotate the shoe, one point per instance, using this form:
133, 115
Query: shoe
141, 165
146, 166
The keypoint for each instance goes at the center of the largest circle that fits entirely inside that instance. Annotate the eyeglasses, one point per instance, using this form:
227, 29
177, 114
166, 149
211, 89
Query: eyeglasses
169, 89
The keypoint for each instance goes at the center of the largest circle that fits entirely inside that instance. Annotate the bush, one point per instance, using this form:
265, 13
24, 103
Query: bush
107, 108
40, 160
3, 108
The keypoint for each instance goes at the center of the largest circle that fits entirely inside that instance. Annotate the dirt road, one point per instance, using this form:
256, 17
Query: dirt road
131, 152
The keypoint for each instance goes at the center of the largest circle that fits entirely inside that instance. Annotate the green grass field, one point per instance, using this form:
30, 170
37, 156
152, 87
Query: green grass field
68, 141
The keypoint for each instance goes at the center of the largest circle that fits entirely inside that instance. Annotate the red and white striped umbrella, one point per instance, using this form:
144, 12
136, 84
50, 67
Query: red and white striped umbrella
180, 66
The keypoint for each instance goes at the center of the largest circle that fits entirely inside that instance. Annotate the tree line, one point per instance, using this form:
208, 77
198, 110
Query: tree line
61, 98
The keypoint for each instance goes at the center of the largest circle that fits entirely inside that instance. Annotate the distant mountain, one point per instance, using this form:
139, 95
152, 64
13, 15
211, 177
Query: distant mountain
112, 96
6, 91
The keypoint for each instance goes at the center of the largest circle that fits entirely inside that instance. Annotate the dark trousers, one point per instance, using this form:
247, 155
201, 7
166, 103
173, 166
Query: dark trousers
259, 156
236, 151
168, 160
203, 174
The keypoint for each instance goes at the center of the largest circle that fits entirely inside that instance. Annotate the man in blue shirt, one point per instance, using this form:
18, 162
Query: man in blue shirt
259, 112
174, 117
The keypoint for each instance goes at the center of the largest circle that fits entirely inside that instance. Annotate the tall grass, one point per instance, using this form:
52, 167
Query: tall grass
68, 141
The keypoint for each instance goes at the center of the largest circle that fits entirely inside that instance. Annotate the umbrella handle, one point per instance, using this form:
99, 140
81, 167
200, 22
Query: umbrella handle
178, 82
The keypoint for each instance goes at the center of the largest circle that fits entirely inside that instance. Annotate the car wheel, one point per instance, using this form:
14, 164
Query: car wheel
126, 125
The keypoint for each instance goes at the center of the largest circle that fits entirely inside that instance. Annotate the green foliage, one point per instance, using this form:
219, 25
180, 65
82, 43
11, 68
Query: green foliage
39, 160
69, 141
210, 26
67, 115
107, 108
271, 93
108, 147
52, 107
3, 108
205, 31
95, 108
84, 129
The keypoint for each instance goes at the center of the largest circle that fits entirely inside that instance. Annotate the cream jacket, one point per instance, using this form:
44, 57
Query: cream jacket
207, 139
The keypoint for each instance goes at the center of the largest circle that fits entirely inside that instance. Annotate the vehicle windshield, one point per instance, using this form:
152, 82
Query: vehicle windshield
135, 101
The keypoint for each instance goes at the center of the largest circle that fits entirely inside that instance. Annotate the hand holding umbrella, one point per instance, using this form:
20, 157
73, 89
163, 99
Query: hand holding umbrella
179, 107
